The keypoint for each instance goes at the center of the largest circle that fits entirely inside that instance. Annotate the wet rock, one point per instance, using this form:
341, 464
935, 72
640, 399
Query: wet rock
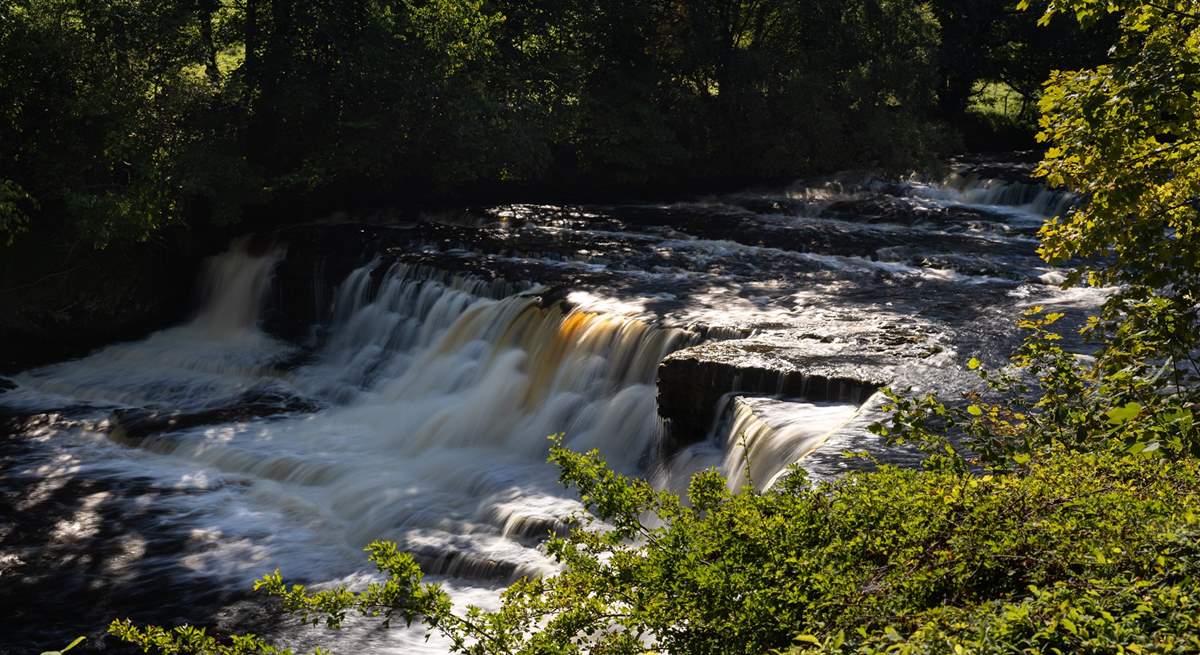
874, 208
829, 461
1009, 167
320, 256
130, 426
691, 382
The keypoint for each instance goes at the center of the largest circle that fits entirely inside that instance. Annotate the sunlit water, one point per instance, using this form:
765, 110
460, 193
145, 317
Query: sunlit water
434, 392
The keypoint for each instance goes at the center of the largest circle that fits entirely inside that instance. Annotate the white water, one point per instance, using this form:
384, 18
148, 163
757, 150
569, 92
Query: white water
437, 392
1033, 202
208, 362
756, 443
439, 403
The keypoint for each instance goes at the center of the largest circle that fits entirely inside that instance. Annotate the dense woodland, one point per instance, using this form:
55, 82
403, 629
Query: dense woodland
1058, 509
125, 116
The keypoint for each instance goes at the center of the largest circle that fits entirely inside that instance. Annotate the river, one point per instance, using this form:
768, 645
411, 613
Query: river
345, 382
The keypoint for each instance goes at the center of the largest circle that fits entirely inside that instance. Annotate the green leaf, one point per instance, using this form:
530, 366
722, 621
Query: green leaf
73, 644
1120, 415
974, 410
973, 364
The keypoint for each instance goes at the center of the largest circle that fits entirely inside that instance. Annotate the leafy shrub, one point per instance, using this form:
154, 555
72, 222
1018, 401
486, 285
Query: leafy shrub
944, 557
1135, 395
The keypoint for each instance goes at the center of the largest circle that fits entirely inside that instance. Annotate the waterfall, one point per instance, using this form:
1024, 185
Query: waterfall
233, 284
382, 315
208, 362
971, 190
439, 392
418, 404
755, 441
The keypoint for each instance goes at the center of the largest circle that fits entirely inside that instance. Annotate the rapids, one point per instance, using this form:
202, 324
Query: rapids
417, 403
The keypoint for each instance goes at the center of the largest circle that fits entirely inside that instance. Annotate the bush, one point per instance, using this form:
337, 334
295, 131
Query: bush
1079, 551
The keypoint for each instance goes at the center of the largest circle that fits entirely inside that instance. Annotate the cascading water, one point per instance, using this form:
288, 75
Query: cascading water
439, 394
233, 286
973, 191
442, 446
755, 442
420, 409
378, 324
208, 362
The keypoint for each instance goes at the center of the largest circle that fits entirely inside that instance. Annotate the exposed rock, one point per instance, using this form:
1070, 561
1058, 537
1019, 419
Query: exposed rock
691, 382
130, 426
1010, 167
321, 255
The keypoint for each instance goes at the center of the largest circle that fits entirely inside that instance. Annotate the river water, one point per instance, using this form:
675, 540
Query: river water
159, 478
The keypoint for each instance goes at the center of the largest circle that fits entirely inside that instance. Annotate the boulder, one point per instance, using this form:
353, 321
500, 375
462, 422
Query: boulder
131, 426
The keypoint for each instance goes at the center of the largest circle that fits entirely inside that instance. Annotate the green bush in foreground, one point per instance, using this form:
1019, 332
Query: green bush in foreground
1080, 553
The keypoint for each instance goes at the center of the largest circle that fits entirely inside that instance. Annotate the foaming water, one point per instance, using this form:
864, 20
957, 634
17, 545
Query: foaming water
755, 443
233, 285
419, 410
382, 315
216, 357
438, 394
1034, 200
447, 456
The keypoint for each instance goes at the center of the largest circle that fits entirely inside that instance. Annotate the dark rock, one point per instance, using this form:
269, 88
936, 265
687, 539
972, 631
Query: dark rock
1013, 167
691, 382
130, 426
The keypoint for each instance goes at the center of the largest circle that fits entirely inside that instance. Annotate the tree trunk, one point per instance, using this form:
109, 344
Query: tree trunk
250, 65
210, 48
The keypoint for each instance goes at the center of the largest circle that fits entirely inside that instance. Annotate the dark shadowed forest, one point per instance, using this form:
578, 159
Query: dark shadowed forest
125, 118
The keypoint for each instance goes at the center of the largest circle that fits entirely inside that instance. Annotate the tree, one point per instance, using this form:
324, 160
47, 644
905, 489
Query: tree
89, 120
1125, 137
992, 41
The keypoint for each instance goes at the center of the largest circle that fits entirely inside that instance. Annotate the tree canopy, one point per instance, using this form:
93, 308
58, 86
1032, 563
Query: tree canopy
124, 116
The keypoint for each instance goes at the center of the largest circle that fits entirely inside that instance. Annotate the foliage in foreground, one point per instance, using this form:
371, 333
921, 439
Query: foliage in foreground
1081, 552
